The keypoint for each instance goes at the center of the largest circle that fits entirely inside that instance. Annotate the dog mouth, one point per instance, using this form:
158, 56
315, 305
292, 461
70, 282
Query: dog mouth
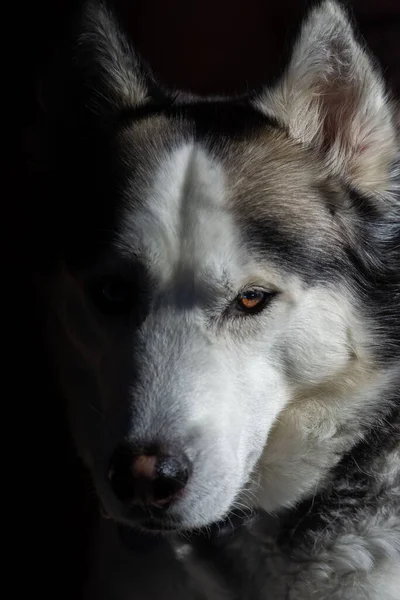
150, 524
144, 521
151, 532
145, 524
219, 529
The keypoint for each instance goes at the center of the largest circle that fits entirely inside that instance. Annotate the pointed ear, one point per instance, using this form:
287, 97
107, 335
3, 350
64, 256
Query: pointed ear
98, 73
112, 71
332, 97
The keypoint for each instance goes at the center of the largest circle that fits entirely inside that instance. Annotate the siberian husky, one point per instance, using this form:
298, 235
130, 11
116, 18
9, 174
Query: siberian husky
227, 318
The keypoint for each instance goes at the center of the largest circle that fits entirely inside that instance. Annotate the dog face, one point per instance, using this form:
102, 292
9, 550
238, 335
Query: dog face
236, 280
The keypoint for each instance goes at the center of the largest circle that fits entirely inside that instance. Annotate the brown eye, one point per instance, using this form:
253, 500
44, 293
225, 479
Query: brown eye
113, 296
252, 301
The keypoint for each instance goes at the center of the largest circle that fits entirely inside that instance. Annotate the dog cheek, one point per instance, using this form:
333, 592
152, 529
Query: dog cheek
316, 350
263, 395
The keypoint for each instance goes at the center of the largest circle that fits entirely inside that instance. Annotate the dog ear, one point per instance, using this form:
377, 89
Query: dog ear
98, 74
113, 73
332, 97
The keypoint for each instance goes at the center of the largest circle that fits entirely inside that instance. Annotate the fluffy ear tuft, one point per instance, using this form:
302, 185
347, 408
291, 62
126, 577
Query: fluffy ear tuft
332, 97
112, 71
97, 73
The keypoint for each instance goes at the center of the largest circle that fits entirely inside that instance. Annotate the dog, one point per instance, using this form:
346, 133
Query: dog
226, 315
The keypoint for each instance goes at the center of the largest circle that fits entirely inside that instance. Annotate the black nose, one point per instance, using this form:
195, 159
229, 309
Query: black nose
148, 477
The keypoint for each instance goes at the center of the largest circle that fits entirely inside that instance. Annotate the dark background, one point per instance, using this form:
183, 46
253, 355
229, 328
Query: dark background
205, 45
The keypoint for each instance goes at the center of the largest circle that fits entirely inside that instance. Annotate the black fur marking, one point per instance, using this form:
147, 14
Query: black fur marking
374, 265
351, 490
293, 253
230, 118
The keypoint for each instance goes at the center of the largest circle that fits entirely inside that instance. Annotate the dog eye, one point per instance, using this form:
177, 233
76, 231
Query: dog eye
253, 301
113, 296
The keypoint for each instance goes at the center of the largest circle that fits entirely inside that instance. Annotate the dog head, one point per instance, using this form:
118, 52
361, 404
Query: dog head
226, 259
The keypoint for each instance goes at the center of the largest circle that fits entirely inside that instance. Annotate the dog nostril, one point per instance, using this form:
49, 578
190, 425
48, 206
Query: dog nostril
172, 477
149, 479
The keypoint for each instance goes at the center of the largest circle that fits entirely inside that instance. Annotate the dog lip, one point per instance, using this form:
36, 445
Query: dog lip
147, 521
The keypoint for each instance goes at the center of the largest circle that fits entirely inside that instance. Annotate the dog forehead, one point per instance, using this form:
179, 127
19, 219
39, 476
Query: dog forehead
178, 218
191, 201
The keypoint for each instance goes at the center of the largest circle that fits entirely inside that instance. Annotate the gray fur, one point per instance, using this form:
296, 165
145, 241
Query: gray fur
293, 412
